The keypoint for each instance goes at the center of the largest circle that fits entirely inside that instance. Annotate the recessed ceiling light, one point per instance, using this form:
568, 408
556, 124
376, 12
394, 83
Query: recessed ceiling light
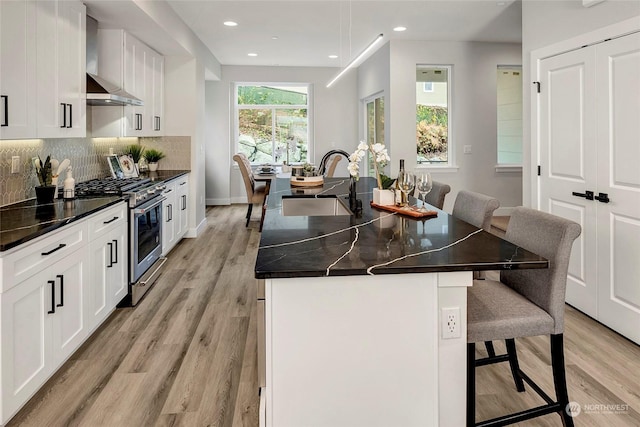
252, 54
274, 38
230, 23
399, 29
500, 3
333, 56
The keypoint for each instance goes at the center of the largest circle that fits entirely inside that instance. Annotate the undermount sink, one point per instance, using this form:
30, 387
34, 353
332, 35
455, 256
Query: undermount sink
312, 206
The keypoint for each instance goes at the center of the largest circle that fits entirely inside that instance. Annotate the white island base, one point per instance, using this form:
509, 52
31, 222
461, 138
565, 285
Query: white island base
368, 351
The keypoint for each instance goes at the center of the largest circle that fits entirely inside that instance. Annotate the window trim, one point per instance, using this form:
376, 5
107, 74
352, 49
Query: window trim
451, 164
309, 107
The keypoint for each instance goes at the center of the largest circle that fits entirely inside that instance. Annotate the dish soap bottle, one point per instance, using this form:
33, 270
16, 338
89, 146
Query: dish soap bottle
69, 189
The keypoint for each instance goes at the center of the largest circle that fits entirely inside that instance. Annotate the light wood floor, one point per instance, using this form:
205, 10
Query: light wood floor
186, 355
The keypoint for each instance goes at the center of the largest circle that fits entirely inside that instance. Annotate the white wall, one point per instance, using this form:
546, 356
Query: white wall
473, 114
334, 115
549, 22
185, 116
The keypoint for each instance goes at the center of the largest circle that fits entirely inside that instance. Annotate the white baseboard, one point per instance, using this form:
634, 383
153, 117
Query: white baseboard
192, 233
503, 211
217, 202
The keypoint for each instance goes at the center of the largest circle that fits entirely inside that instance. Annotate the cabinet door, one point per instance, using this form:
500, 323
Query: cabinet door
118, 279
158, 95
69, 327
61, 69
26, 347
169, 218
98, 284
17, 69
183, 205
134, 81
73, 78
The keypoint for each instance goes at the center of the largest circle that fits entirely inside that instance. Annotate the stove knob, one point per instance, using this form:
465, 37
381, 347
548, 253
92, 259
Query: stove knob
151, 191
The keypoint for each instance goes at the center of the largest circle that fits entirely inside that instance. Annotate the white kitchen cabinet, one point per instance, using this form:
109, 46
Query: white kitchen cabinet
182, 187
108, 283
54, 291
126, 61
61, 69
17, 69
169, 217
42, 324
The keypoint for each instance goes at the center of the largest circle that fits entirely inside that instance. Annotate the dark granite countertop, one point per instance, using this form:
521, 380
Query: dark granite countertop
164, 175
24, 221
377, 242
27, 220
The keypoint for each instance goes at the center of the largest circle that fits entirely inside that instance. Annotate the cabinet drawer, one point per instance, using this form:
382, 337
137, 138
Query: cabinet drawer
106, 220
41, 253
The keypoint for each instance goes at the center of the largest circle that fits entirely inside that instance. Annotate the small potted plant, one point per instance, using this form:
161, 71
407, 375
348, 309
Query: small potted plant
45, 191
153, 156
135, 151
382, 195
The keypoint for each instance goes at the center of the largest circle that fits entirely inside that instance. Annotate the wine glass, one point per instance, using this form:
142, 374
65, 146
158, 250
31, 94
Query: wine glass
406, 184
424, 184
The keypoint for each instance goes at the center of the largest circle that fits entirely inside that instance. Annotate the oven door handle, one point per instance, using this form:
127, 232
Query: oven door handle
144, 209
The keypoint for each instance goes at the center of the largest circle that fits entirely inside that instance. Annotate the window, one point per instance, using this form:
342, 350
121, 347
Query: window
375, 126
272, 123
432, 114
509, 86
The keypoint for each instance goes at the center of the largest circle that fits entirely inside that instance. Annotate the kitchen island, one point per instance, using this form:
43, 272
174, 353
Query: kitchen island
365, 315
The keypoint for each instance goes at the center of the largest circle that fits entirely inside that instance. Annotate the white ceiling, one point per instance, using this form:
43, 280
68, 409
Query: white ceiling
308, 31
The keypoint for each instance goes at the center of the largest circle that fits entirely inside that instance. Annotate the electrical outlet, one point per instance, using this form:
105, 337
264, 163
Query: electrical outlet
467, 149
15, 164
450, 322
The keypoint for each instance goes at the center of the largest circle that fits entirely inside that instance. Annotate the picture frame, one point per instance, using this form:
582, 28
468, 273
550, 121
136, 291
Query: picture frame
115, 167
128, 166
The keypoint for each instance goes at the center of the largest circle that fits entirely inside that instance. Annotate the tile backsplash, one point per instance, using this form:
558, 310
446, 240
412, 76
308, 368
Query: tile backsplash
86, 155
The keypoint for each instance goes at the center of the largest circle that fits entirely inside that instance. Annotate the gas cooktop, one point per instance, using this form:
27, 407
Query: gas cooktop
109, 186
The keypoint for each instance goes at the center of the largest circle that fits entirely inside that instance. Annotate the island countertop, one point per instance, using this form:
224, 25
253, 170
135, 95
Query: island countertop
376, 242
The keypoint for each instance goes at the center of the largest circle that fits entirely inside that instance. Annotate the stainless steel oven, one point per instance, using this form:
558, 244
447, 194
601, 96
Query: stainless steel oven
146, 236
145, 239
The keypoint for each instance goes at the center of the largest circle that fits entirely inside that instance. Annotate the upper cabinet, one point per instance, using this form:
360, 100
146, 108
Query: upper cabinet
42, 69
61, 69
125, 60
17, 69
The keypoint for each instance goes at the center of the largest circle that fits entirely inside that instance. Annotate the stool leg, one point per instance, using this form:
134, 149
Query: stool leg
249, 213
513, 362
559, 377
471, 384
491, 351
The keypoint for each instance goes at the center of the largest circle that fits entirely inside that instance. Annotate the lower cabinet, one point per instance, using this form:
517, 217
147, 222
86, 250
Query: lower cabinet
108, 274
42, 324
55, 294
176, 212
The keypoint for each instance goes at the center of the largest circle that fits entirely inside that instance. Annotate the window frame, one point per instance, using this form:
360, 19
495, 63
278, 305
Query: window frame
450, 165
273, 108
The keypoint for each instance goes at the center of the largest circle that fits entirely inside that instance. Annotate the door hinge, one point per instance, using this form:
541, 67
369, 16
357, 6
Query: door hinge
538, 86
539, 170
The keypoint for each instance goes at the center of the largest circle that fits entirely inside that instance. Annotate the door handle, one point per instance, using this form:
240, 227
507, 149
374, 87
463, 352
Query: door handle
587, 195
53, 297
70, 115
110, 255
61, 277
115, 245
602, 198
5, 122
64, 115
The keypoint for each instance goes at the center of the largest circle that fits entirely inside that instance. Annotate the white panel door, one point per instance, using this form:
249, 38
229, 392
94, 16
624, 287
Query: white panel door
568, 162
17, 69
618, 147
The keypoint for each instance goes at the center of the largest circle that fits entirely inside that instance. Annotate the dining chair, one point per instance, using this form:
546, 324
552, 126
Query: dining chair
524, 303
332, 166
436, 196
255, 193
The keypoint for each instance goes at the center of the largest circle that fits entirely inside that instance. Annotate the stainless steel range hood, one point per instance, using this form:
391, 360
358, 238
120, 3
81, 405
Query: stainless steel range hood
99, 90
